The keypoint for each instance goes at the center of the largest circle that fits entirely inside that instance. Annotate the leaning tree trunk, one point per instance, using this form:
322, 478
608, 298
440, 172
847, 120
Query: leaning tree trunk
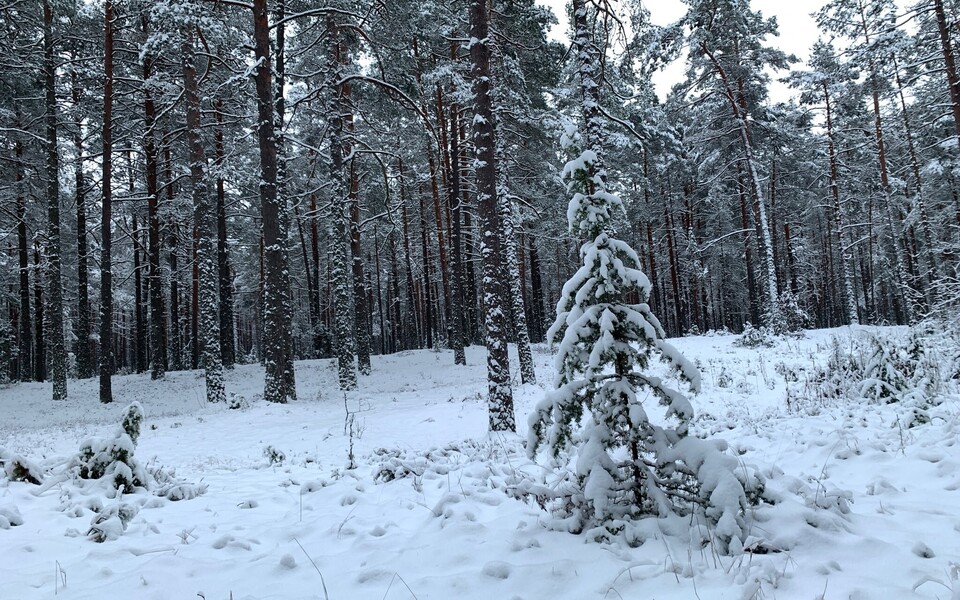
500, 394
277, 338
850, 299
772, 314
208, 301
58, 352
106, 215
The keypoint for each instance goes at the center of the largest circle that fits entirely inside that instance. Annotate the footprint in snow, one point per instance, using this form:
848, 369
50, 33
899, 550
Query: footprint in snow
378, 531
922, 550
497, 569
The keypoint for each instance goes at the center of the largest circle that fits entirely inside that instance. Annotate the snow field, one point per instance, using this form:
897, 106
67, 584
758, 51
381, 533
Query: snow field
867, 508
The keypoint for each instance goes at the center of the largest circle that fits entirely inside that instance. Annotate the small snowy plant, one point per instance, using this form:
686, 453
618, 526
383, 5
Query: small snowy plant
883, 377
111, 459
625, 465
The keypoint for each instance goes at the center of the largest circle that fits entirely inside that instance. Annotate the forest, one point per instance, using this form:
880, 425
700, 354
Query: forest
207, 183
394, 296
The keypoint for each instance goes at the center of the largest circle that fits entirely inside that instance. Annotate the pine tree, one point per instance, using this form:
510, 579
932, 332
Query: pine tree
204, 221
500, 394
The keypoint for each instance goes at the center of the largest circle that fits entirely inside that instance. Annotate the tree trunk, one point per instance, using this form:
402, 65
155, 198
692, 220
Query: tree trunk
228, 351
106, 254
158, 347
500, 394
208, 304
25, 320
39, 342
949, 61
850, 300
360, 305
277, 337
453, 198
82, 325
58, 350
288, 381
346, 367
176, 339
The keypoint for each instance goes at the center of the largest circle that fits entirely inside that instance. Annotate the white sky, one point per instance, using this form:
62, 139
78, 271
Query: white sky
798, 32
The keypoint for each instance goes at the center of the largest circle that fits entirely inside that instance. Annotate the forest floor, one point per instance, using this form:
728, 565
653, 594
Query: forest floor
868, 508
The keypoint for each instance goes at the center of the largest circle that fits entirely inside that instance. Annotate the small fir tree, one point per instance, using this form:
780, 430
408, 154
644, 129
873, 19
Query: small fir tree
626, 466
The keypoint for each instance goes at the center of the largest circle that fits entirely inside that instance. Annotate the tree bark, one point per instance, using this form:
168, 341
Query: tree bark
25, 320
280, 385
456, 249
228, 351
346, 367
106, 215
208, 304
82, 325
500, 394
158, 347
57, 346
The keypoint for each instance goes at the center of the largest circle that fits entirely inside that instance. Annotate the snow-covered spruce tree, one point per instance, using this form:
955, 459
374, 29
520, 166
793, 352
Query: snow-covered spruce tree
626, 466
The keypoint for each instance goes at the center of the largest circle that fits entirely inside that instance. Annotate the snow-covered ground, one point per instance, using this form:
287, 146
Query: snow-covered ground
867, 508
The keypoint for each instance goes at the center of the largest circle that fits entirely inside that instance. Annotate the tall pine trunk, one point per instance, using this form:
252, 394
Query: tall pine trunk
24, 318
850, 299
277, 337
208, 301
456, 247
82, 325
500, 394
57, 347
158, 346
106, 214
346, 367
228, 352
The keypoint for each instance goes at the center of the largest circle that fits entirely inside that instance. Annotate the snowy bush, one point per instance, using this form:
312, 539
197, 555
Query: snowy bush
237, 402
10, 516
111, 459
111, 522
884, 379
274, 455
624, 465
17, 468
790, 318
840, 375
753, 337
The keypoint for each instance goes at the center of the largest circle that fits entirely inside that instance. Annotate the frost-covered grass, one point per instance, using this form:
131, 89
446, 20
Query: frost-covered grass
866, 506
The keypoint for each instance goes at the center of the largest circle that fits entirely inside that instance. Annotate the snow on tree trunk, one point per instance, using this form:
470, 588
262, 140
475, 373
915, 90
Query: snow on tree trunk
517, 308
106, 254
277, 338
204, 221
82, 324
500, 394
158, 353
54, 313
340, 252
287, 383
456, 245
